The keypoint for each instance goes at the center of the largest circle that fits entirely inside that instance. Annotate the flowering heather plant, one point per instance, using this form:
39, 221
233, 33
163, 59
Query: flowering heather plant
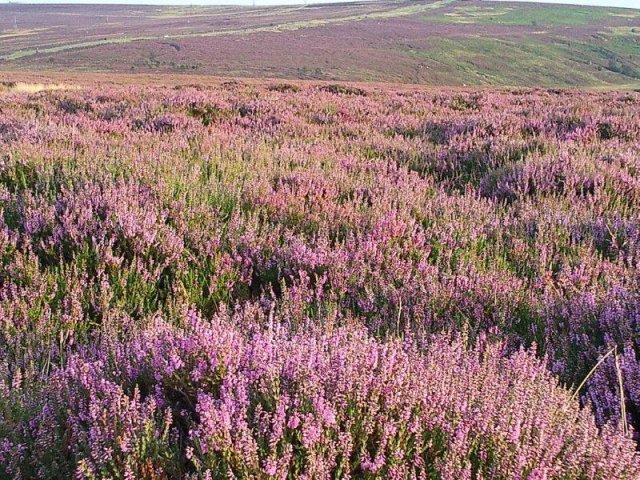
272, 282
209, 401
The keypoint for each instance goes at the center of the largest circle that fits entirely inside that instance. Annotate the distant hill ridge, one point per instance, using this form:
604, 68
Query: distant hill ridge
446, 42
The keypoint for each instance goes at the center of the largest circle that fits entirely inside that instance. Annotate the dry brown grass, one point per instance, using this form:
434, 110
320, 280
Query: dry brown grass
31, 87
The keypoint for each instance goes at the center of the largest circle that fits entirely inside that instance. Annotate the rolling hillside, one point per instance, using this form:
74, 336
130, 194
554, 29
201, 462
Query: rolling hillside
435, 43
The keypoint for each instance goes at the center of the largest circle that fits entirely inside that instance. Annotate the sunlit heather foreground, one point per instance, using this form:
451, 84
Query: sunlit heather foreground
319, 282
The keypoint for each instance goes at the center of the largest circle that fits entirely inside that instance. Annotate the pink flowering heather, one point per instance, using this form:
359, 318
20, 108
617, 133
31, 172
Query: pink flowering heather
206, 400
319, 281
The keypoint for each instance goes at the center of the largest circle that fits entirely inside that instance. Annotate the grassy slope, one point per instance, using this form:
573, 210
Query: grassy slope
443, 42
591, 51
527, 14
